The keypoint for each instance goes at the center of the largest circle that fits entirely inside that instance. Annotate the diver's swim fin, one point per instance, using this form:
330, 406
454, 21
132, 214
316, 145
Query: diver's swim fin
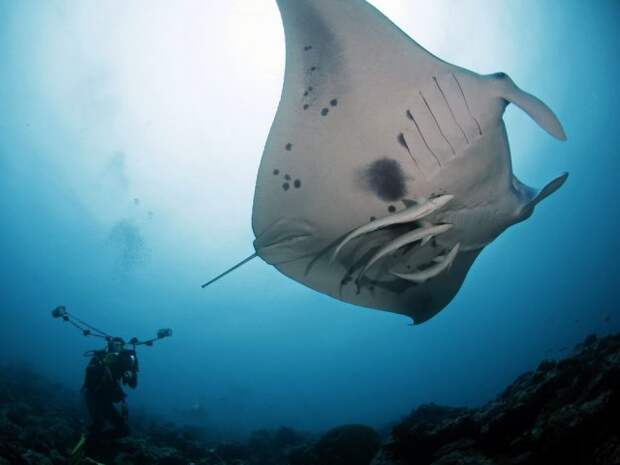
79, 446
90, 461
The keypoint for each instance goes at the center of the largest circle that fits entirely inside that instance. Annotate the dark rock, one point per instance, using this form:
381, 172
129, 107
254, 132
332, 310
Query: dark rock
546, 365
344, 445
274, 446
562, 413
348, 445
30, 457
591, 339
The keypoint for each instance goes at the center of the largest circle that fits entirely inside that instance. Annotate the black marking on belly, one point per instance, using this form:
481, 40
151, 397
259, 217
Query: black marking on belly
288, 146
333, 102
276, 172
437, 123
467, 104
324, 111
286, 186
450, 109
307, 48
410, 116
297, 183
391, 208
386, 179
306, 106
287, 177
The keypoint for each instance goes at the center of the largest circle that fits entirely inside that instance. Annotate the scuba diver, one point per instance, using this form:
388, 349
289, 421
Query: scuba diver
102, 388
107, 371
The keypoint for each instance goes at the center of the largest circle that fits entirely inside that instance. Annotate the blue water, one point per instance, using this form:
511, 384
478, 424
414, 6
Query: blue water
130, 137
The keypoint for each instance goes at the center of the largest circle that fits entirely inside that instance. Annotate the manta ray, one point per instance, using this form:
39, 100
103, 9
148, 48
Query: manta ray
387, 170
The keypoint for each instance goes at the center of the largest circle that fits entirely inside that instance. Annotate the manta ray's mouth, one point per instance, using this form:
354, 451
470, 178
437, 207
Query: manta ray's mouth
422, 234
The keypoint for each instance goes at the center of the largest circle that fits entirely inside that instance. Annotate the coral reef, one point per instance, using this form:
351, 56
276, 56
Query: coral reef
344, 445
565, 412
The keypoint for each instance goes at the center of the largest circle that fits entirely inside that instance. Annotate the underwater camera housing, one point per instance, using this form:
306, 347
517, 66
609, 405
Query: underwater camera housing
164, 332
60, 312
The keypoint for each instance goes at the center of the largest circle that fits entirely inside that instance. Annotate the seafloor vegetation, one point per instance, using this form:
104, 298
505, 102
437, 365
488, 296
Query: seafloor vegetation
565, 412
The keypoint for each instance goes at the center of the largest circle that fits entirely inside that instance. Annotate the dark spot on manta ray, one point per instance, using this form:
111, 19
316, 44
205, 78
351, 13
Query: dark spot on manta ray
391, 208
297, 184
307, 47
276, 172
333, 102
288, 146
305, 93
385, 178
310, 89
313, 68
372, 218
306, 106
286, 186
324, 111
287, 177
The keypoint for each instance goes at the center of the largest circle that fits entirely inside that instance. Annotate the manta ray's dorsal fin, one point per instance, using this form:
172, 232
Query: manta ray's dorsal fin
229, 270
533, 106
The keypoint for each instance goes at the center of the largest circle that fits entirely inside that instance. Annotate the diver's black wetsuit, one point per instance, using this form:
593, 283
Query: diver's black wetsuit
102, 389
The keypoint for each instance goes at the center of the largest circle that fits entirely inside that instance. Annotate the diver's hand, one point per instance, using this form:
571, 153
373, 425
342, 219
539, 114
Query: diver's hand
130, 378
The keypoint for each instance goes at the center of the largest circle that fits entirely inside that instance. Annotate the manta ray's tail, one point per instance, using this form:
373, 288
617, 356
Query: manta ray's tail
232, 268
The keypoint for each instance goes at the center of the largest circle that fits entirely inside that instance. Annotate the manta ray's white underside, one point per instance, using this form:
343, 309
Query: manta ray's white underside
387, 170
